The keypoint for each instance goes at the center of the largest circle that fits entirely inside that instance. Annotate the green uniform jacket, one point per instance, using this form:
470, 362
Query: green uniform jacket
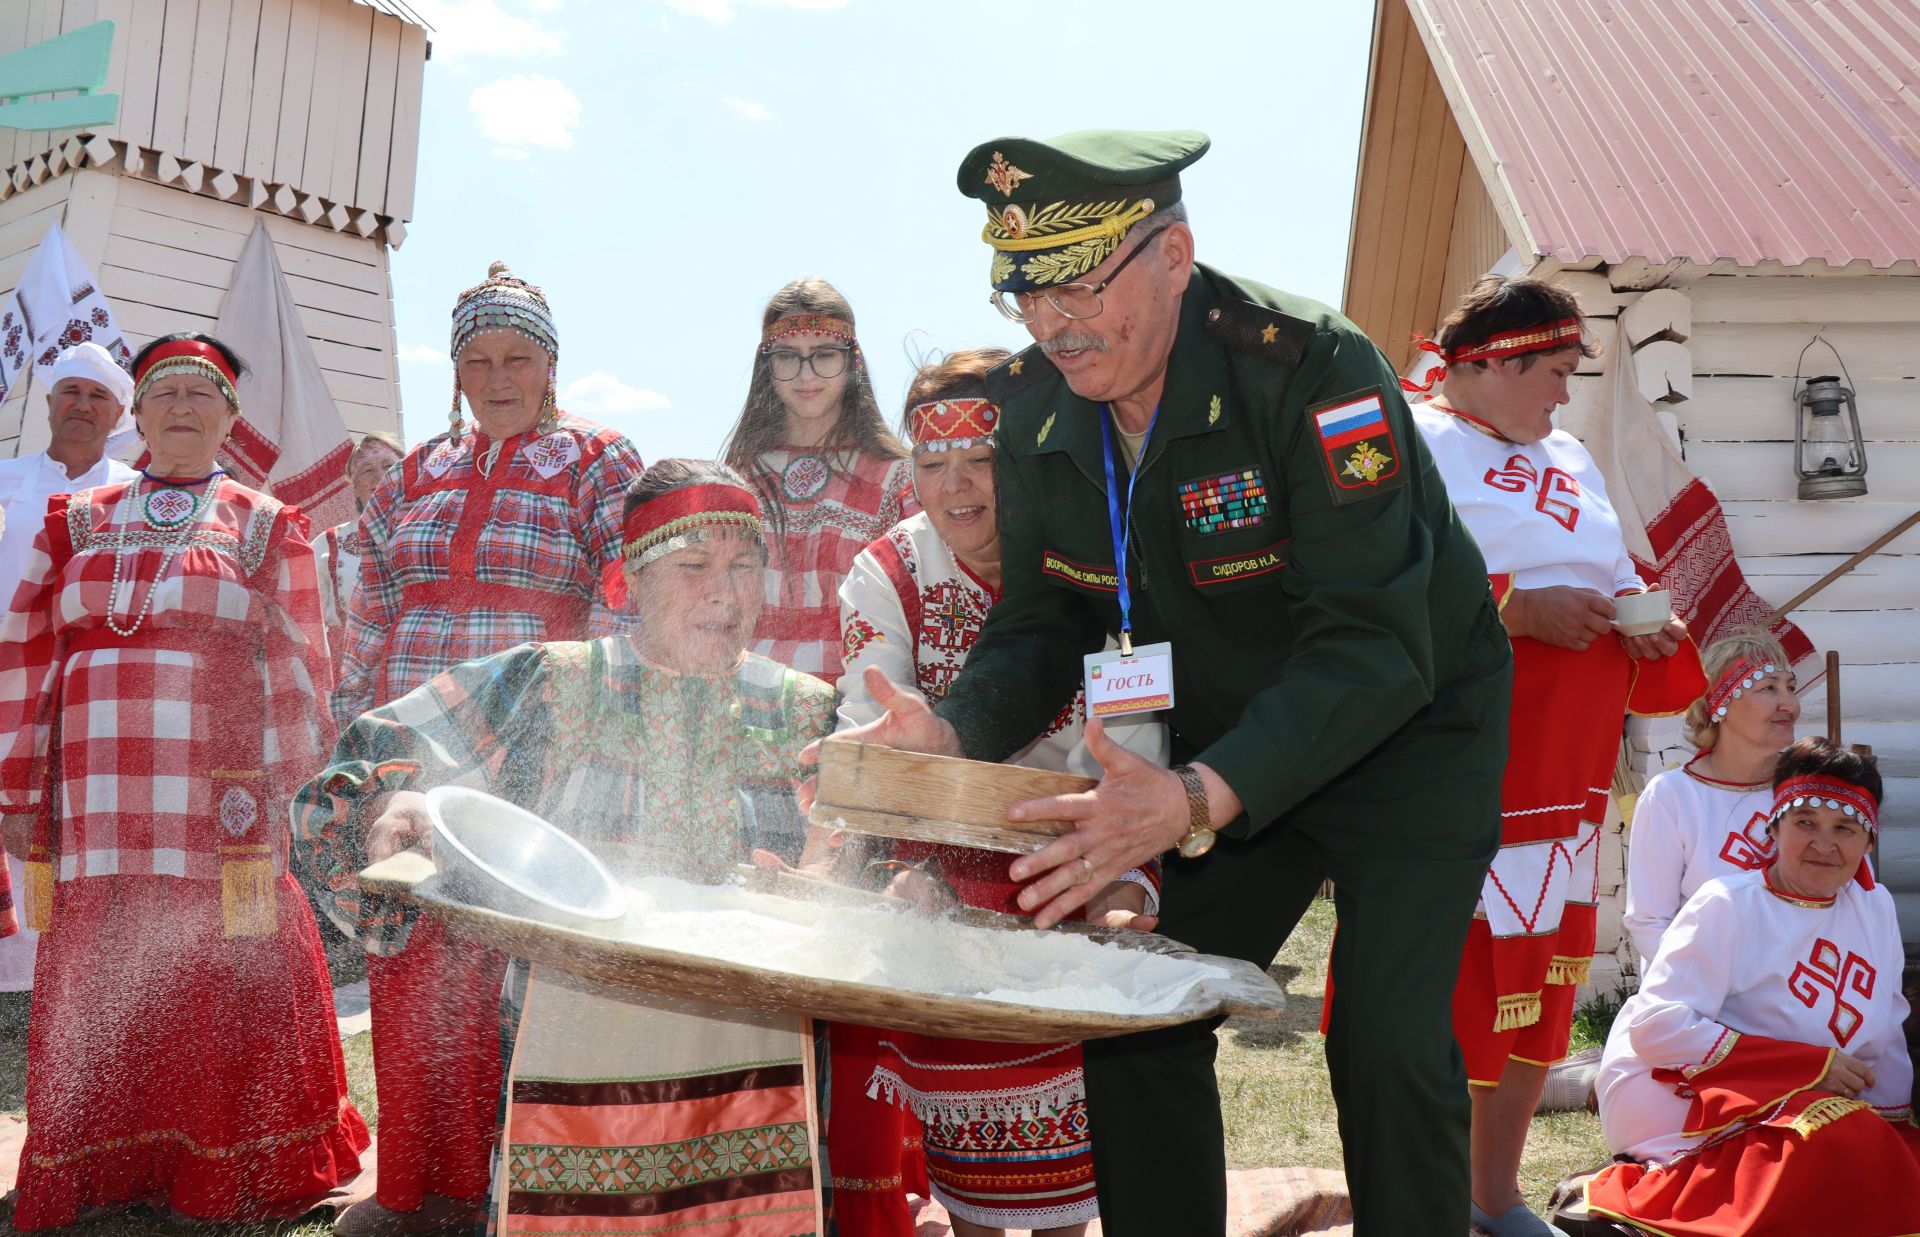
1320, 594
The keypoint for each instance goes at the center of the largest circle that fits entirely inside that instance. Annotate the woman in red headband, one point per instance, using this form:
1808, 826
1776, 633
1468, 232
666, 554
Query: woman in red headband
829, 473
160, 680
1709, 817
1537, 505
670, 750
1759, 1083
911, 608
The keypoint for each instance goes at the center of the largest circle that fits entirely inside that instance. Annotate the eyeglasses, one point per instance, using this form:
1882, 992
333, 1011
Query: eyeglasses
827, 362
1074, 301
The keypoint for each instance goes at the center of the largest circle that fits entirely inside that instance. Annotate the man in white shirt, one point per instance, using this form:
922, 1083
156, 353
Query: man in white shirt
87, 396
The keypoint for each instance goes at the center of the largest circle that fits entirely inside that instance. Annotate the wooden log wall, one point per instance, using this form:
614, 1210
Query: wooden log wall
315, 103
165, 257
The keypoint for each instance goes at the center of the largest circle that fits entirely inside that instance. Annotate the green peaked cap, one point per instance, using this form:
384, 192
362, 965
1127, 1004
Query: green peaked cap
1056, 209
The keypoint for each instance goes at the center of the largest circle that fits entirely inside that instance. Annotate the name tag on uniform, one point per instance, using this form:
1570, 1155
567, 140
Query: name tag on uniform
1118, 685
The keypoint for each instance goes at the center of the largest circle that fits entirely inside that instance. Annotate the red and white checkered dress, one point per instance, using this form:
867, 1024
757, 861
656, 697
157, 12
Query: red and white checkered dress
463, 564
189, 737
833, 507
459, 564
177, 935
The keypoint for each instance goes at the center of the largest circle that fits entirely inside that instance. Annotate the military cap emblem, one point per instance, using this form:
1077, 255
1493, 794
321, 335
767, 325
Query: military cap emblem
1097, 185
1004, 176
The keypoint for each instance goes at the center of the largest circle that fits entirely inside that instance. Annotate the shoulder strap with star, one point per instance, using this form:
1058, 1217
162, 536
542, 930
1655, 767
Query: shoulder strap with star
1021, 370
1261, 330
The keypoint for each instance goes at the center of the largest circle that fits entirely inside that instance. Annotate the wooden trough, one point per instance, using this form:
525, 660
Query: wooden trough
895, 794
602, 956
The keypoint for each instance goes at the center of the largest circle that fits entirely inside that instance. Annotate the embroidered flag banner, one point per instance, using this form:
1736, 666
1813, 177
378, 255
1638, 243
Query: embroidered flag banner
290, 440
1674, 526
56, 305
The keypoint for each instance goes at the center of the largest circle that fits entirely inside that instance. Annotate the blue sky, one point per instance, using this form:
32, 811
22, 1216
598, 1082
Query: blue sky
660, 167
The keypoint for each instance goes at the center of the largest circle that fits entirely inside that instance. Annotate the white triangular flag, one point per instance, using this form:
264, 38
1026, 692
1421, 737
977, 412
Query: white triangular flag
290, 440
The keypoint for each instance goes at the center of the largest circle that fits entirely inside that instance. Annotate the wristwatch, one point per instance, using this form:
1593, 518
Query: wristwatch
1199, 836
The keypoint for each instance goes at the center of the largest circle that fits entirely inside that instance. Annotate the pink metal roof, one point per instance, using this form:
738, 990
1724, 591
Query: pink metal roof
1750, 130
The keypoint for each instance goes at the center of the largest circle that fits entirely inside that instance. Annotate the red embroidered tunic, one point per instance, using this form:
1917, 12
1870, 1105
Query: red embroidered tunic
463, 562
829, 515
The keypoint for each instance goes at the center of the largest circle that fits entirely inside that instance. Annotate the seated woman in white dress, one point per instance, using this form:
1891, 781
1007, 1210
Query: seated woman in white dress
1708, 818
1762, 1064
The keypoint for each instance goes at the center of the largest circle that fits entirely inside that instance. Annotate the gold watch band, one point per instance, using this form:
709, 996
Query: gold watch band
1200, 836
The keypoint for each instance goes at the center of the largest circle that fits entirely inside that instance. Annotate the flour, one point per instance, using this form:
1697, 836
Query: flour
903, 951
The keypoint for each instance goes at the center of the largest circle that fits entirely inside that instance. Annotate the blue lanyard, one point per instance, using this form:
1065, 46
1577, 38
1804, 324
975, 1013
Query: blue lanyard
1121, 522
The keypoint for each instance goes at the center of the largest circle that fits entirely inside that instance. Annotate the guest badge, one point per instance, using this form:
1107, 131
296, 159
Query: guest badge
1120, 683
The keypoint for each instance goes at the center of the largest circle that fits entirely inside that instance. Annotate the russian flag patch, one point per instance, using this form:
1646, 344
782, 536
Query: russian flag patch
1357, 443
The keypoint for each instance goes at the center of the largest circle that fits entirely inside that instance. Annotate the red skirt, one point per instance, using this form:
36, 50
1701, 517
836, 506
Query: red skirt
1805, 1171
172, 1064
437, 1062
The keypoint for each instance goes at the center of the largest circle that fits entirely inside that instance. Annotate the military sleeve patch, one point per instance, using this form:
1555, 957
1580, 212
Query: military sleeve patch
1357, 443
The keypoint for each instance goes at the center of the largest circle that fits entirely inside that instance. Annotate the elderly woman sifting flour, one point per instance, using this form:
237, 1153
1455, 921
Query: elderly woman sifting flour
686, 1116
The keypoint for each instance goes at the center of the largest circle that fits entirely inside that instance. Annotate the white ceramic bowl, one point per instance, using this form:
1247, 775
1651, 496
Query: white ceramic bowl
497, 855
1642, 614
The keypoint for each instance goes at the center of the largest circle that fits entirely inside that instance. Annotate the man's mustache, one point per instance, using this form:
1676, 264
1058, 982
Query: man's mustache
1073, 341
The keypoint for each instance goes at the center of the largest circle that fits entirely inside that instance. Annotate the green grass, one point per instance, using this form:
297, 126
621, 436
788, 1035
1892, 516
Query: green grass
1592, 1021
1274, 1091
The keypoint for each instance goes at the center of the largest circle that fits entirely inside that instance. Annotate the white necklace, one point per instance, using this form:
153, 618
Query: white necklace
186, 528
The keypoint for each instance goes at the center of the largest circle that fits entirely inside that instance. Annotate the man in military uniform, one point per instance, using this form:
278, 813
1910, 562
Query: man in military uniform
1203, 461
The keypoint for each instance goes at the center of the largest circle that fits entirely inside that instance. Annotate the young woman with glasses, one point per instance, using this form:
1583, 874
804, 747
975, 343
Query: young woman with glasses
831, 477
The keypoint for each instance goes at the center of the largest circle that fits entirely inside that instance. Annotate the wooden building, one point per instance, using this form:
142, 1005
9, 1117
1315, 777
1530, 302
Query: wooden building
306, 112
1718, 184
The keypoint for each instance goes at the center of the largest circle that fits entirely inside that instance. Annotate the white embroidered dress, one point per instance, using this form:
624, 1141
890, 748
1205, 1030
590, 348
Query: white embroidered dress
1742, 960
1687, 829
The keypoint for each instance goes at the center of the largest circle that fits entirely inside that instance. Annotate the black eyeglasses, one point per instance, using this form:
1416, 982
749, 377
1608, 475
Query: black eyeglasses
1075, 301
827, 362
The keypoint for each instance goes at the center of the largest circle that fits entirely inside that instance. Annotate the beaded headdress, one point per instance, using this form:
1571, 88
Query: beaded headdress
832, 327
1823, 790
1543, 337
675, 520
1740, 678
186, 356
504, 303
953, 424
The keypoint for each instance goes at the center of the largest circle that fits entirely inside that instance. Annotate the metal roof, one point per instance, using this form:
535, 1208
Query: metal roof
1707, 130
397, 8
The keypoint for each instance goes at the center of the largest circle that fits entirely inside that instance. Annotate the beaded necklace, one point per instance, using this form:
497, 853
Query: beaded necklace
162, 517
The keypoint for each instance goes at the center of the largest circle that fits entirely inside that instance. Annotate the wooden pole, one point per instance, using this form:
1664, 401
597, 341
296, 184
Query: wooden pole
1839, 571
1833, 697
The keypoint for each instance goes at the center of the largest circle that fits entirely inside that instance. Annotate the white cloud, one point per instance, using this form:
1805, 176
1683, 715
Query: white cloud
422, 354
748, 109
525, 110
601, 394
487, 28
723, 10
